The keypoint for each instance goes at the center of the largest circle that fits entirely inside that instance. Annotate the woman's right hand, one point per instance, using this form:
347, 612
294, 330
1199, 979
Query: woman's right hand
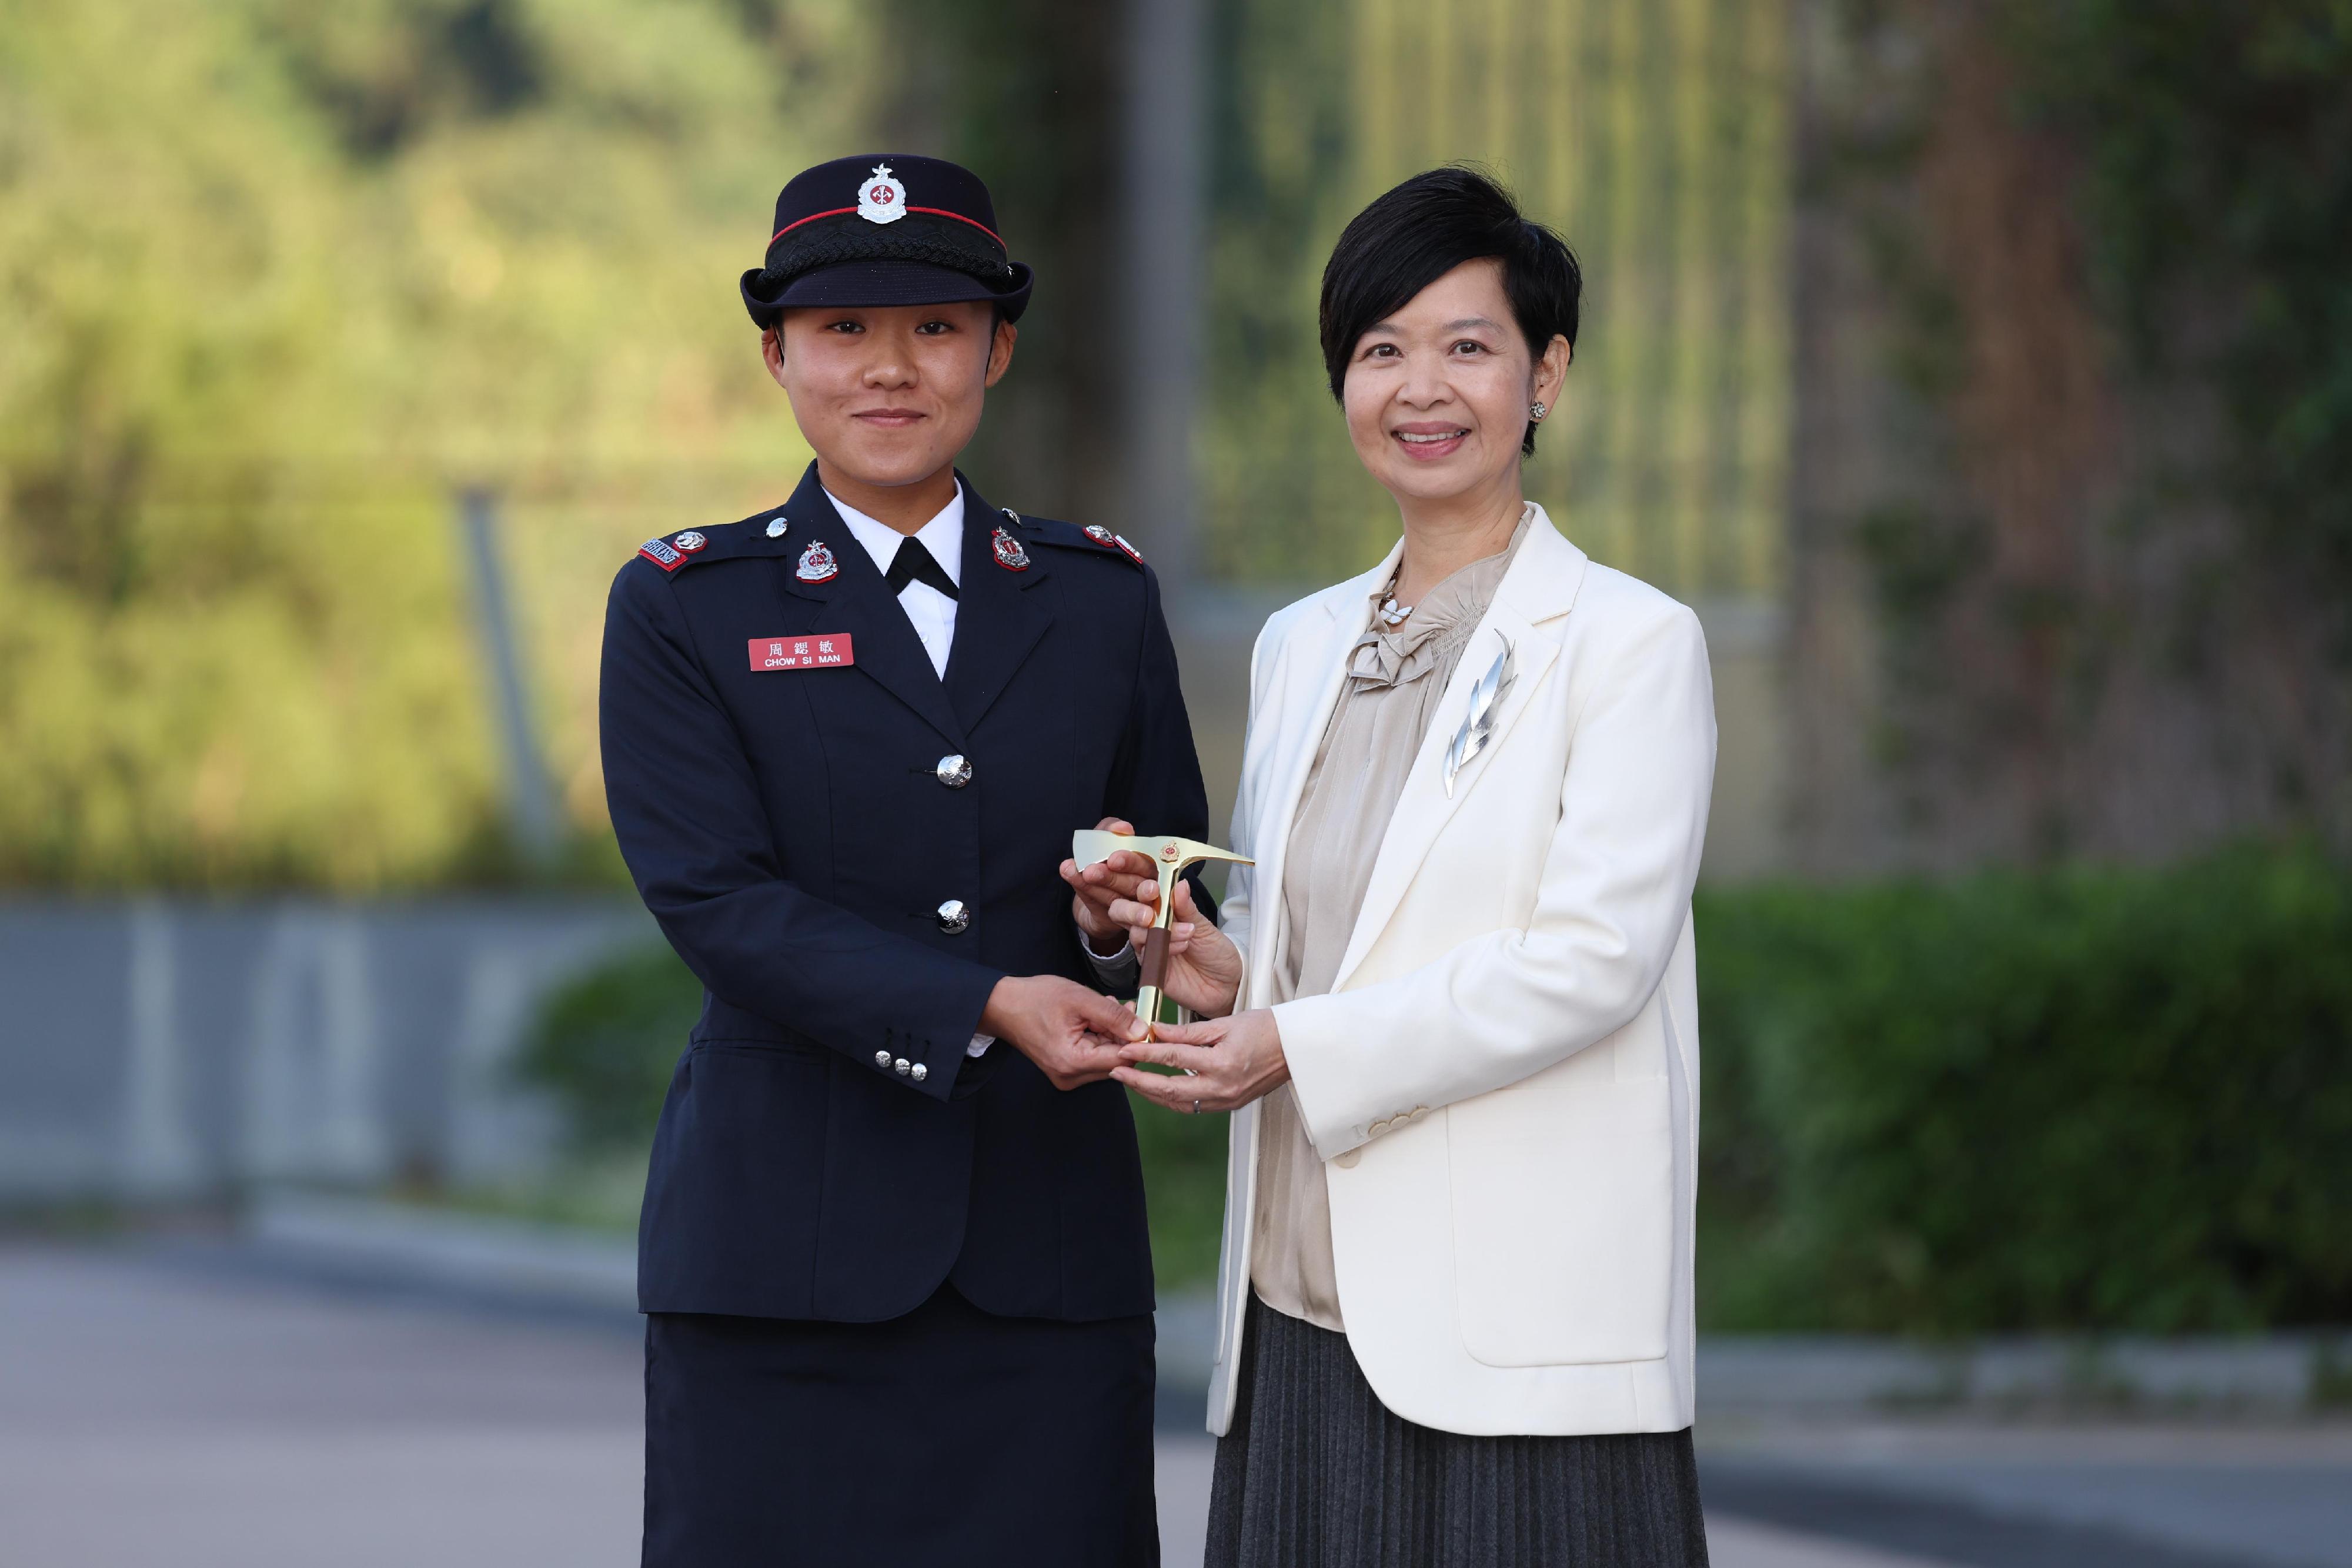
1205, 967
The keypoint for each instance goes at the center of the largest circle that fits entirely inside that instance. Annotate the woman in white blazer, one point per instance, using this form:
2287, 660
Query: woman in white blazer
1452, 1007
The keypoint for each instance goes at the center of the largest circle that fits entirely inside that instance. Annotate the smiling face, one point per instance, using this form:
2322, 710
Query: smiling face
1437, 391
887, 396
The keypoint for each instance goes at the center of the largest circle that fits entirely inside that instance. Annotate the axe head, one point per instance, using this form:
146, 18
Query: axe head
1168, 855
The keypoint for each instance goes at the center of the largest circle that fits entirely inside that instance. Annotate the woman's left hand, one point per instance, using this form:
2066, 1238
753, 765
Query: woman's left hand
1232, 1062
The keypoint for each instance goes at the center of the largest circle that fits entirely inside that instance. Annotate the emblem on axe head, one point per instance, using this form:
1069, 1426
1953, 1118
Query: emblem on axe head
1170, 857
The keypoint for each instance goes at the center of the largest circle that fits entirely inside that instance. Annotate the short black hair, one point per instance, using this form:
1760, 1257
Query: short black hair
1424, 228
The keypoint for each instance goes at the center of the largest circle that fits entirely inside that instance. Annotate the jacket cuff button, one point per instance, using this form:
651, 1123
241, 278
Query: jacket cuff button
902, 1067
881, 1058
919, 1072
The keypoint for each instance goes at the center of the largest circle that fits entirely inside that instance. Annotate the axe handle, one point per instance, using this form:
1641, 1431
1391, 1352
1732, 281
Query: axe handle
1155, 958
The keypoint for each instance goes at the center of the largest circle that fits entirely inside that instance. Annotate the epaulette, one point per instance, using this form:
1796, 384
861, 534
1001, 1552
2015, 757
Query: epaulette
1096, 539
761, 534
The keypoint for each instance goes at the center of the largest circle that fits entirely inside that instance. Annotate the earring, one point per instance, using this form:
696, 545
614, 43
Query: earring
1536, 410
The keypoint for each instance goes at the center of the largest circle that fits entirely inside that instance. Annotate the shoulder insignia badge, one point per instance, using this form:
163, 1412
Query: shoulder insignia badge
659, 552
817, 564
689, 541
1009, 553
1109, 540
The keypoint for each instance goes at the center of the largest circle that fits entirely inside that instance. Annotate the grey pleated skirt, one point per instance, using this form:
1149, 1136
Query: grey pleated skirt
1317, 1473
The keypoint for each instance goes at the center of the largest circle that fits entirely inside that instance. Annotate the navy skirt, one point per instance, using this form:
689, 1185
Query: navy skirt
1316, 1472
946, 1436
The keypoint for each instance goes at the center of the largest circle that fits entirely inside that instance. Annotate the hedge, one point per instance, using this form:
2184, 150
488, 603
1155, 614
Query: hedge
2090, 1099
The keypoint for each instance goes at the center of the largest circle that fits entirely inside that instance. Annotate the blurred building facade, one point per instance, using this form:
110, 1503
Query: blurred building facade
182, 1053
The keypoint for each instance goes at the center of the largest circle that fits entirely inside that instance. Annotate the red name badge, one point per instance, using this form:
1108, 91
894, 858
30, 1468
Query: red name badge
817, 650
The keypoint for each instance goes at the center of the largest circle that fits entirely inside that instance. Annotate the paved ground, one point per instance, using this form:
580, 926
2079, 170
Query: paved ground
183, 1407
2177, 1493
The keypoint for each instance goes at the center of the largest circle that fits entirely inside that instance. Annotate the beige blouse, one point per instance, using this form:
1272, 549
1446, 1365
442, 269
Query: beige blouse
1396, 676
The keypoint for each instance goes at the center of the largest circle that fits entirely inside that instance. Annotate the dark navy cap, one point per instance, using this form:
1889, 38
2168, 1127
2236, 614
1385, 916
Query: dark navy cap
884, 229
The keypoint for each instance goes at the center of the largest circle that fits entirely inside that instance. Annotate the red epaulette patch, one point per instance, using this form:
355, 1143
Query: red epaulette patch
1109, 540
659, 552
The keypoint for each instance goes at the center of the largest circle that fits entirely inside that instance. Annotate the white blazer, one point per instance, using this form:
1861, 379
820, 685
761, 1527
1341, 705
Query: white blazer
1502, 1082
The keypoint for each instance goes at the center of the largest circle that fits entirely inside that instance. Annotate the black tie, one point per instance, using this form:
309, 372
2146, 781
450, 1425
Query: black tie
913, 563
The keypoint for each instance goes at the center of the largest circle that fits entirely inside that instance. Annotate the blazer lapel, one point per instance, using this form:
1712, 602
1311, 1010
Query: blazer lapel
1540, 587
1313, 666
1000, 616
858, 599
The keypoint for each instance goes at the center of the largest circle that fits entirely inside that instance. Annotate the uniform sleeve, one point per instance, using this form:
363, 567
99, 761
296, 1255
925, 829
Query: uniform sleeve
1613, 902
1155, 776
686, 810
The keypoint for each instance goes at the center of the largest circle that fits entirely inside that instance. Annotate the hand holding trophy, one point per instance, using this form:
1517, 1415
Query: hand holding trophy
1136, 882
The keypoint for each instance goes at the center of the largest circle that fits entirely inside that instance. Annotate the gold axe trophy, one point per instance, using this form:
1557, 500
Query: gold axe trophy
1170, 857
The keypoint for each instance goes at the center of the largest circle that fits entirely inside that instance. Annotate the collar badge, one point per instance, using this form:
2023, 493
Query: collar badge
882, 199
1009, 553
689, 541
817, 564
1101, 536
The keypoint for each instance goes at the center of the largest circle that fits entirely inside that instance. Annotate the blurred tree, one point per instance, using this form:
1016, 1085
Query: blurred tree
2071, 570
1652, 134
274, 277
1027, 92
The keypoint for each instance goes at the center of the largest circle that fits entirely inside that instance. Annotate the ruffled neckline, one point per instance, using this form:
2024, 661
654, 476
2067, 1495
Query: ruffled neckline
1441, 623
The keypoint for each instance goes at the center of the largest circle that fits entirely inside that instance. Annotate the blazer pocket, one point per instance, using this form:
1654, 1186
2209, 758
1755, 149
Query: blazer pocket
1563, 1222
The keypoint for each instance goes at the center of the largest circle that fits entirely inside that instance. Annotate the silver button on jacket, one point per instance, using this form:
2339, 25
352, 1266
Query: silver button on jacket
954, 916
954, 770
881, 1058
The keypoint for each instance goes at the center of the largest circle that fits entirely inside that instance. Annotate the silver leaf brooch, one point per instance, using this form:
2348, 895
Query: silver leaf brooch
1478, 724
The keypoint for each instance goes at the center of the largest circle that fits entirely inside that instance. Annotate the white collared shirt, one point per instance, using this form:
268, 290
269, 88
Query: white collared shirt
932, 612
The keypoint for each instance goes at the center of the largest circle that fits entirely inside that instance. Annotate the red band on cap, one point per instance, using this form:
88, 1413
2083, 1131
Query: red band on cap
840, 212
812, 217
943, 213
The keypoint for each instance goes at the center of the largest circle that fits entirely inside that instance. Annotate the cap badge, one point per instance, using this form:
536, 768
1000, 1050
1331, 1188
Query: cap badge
776, 527
689, 541
881, 200
1009, 553
817, 564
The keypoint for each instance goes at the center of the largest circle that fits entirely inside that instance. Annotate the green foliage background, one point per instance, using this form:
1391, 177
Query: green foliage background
274, 277
2106, 1099
2217, 193
1653, 134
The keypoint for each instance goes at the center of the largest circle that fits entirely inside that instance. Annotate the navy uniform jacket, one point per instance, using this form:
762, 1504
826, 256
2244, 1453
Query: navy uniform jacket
827, 1151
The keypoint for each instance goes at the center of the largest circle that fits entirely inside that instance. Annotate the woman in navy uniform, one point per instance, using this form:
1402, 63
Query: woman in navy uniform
893, 1253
